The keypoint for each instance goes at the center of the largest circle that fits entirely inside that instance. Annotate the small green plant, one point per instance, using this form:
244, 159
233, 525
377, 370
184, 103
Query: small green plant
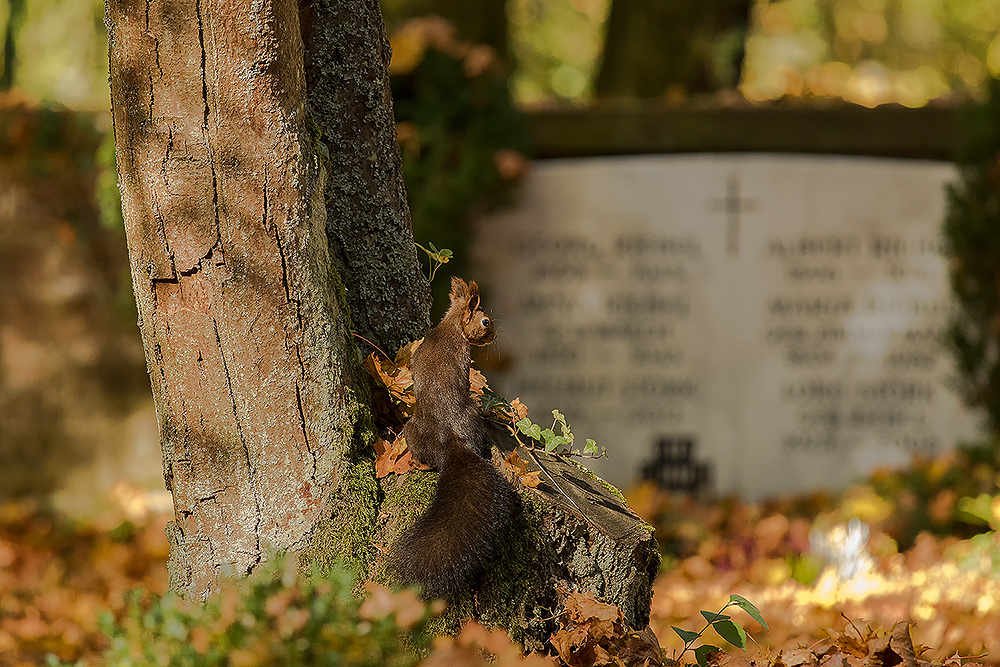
436, 258
562, 443
274, 617
984, 509
722, 624
456, 122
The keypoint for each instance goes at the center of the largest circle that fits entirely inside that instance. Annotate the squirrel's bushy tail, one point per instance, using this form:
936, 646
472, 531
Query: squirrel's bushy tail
457, 537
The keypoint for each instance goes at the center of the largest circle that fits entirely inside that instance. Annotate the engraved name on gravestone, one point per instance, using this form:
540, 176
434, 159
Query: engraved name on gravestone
771, 322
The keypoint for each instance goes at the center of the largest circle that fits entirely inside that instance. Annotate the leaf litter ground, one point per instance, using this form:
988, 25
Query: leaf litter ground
57, 577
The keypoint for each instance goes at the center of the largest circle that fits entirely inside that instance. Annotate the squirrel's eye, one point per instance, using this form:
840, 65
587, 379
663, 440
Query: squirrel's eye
486, 322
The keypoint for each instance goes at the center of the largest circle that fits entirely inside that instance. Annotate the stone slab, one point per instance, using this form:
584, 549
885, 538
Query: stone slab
782, 314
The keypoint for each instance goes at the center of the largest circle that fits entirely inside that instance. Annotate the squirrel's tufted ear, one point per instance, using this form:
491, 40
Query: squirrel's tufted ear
473, 296
459, 291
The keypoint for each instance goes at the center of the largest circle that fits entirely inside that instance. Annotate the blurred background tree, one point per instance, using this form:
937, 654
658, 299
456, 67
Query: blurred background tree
872, 52
863, 51
56, 51
972, 232
672, 47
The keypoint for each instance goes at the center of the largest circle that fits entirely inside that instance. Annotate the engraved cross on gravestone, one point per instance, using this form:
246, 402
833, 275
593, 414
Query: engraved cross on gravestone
733, 205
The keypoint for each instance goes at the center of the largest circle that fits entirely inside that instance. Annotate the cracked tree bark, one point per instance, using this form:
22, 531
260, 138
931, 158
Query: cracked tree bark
246, 340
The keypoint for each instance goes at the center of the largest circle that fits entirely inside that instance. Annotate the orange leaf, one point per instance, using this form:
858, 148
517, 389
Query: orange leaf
477, 382
519, 467
405, 353
374, 367
404, 463
393, 457
584, 607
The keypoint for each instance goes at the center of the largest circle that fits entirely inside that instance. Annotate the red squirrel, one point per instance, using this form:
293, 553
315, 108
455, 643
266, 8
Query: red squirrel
457, 537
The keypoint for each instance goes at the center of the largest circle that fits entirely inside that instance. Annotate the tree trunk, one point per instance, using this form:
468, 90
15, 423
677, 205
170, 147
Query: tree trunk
15, 15
263, 415
655, 47
368, 220
251, 361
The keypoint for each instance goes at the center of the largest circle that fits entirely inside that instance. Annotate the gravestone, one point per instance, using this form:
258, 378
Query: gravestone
777, 320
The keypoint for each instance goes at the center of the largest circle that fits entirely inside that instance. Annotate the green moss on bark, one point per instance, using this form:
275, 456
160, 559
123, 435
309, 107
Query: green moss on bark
345, 537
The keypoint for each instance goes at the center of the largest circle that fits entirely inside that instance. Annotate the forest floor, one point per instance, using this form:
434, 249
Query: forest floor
926, 561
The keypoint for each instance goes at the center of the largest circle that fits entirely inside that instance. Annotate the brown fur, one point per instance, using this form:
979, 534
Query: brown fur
457, 537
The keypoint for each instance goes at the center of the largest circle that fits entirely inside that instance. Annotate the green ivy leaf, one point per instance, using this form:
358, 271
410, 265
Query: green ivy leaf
702, 652
749, 608
713, 616
686, 635
731, 632
324, 150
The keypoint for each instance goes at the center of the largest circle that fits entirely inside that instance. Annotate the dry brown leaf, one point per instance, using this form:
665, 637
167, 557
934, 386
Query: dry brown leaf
477, 383
856, 643
395, 458
373, 365
519, 467
895, 648
383, 458
592, 632
405, 352
584, 608
838, 659
402, 386
723, 659
397, 380
901, 642
643, 648
796, 657
513, 412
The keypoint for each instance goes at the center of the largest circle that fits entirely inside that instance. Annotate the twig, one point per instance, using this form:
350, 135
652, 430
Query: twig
549, 475
372, 344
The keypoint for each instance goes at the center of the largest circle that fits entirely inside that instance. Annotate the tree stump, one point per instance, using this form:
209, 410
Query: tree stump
571, 533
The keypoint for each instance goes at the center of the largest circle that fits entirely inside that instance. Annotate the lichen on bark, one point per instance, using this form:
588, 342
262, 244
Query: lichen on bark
368, 219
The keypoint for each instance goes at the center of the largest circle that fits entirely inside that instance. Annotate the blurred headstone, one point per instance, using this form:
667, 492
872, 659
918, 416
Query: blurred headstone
782, 314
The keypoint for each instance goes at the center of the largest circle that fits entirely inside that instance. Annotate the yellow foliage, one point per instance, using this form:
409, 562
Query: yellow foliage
862, 502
